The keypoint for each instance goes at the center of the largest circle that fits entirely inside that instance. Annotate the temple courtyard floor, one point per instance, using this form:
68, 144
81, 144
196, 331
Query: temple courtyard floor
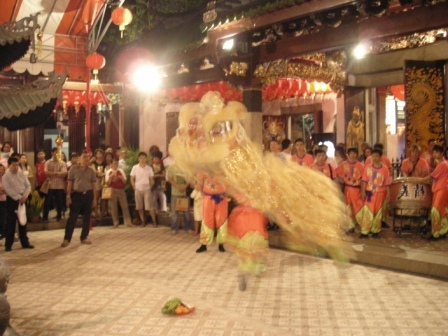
118, 285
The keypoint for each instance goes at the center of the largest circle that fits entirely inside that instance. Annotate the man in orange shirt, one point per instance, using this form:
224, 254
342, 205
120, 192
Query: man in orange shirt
375, 192
215, 212
302, 158
350, 173
439, 222
385, 160
414, 165
321, 166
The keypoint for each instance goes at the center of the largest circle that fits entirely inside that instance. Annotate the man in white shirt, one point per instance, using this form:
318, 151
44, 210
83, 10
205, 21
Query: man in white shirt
142, 181
167, 162
17, 188
56, 172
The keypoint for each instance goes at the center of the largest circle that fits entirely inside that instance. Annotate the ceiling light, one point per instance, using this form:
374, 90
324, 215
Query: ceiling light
360, 51
228, 45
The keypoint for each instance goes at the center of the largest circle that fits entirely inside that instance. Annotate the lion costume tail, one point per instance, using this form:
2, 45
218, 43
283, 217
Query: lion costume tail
308, 206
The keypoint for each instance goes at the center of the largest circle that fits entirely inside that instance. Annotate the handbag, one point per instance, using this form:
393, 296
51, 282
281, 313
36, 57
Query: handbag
44, 187
107, 193
182, 204
21, 214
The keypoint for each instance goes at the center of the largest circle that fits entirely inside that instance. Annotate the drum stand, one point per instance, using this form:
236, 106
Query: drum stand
411, 217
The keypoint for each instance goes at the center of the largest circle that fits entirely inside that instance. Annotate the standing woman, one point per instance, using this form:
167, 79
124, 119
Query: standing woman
99, 165
116, 179
6, 151
108, 158
27, 170
153, 150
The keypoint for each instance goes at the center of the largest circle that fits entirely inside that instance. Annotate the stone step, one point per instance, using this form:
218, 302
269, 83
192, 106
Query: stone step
396, 256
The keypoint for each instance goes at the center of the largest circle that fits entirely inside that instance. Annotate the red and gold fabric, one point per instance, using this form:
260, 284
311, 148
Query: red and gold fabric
351, 174
324, 169
248, 238
439, 222
215, 210
377, 182
421, 168
306, 161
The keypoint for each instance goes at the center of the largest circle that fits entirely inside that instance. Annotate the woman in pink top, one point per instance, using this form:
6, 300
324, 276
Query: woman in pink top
439, 223
2, 202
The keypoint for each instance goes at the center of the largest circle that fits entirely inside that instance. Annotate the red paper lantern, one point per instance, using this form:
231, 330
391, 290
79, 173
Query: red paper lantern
269, 92
121, 17
94, 98
77, 100
95, 61
293, 87
282, 88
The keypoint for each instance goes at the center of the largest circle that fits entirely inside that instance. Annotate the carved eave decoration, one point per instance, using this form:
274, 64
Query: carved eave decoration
409, 41
16, 37
30, 104
327, 67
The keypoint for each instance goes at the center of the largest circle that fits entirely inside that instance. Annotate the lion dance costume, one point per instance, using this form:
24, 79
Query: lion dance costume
307, 206
215, 206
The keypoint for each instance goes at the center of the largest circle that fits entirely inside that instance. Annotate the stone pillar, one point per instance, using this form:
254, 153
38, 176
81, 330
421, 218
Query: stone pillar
253, 124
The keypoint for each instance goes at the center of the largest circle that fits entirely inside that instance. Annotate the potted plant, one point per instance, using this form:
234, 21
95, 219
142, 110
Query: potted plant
34, 206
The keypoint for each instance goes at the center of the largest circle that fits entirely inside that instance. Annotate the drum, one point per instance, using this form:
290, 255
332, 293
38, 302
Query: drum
408, 193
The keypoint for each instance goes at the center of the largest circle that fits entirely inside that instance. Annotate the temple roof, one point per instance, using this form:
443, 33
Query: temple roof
60, 31
30, 104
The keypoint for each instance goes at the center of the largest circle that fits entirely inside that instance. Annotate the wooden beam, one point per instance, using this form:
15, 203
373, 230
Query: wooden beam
381, 63
240, 26
82, 86
298, 11
215, 74
403, 23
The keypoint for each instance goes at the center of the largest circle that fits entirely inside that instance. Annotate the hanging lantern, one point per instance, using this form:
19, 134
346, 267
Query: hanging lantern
293, 87
282, 88
94, 62
121, 17
65, 99
77, 100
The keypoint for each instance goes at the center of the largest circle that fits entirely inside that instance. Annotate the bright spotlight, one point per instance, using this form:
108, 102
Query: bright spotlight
228, 45
360, 51
147, 78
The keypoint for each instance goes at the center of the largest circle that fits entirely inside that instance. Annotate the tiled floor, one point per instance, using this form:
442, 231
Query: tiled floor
118, 285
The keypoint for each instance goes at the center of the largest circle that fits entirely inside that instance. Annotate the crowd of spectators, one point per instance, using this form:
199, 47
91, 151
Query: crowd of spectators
364, 178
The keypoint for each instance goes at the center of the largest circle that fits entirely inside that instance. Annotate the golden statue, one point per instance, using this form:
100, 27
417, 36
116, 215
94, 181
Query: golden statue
59, 141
